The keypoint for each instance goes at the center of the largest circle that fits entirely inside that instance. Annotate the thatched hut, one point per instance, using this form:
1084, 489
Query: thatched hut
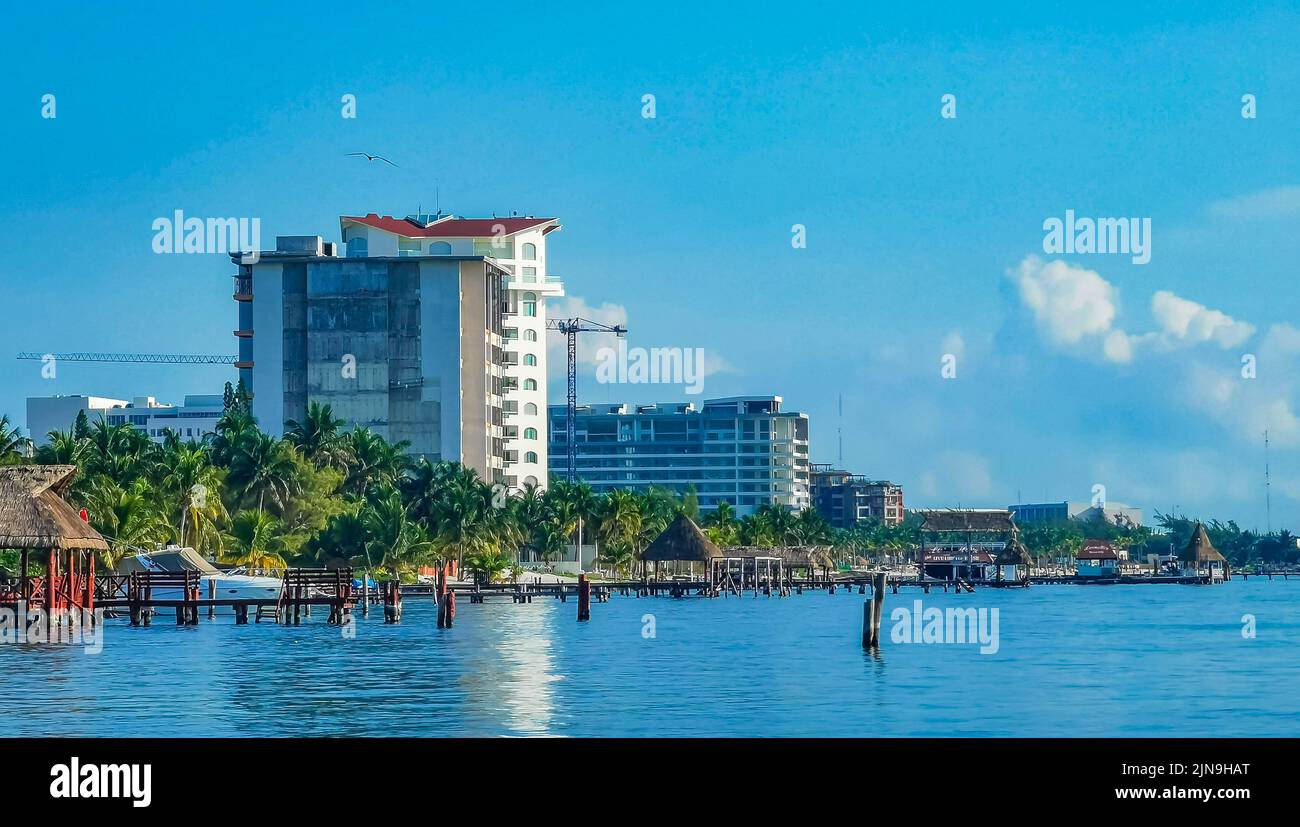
1200, 558
35, 517
961, 543
681, 542
1014, 562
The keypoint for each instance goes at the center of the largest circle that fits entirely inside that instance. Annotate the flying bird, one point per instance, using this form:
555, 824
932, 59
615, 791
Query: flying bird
370, 157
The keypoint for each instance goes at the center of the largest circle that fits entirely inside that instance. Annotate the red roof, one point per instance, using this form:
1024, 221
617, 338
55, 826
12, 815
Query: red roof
1097, 550
449, 227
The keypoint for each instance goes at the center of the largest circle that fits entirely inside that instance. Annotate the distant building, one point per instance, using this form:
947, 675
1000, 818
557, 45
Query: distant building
518, 245
743, 450
1052, 513
401, 341
846, 499
192, 420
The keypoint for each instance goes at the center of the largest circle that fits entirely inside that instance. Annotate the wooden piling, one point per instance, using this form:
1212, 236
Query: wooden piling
584, 597
878, 604
212, 595
872, 612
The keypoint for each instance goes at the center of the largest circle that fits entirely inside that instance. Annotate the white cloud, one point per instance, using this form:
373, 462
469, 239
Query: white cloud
1069, 303
1277, 202
1076, 307
1118, 347
1183, 320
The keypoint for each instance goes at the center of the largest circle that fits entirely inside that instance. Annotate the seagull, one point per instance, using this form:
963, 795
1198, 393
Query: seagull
370, 157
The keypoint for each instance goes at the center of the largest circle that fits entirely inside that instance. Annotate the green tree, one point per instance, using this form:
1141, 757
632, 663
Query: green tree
254, 541
319, 437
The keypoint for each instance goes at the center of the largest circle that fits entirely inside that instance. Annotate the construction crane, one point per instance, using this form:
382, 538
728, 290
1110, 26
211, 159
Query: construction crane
571, 328
160, 358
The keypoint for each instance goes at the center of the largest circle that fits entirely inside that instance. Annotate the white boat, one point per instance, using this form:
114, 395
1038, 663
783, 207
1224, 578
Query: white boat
230, 585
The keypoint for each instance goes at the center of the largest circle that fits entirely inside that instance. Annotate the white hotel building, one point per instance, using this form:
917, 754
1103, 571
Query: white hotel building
518, 245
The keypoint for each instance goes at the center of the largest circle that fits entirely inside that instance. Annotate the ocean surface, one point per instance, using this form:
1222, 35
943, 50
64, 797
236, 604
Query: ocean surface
1143, 660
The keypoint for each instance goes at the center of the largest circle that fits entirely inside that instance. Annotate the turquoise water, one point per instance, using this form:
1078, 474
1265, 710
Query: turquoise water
1072, 661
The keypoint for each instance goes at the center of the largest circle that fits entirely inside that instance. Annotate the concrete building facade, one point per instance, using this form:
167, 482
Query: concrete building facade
845, 499
517, 245
408, 345
743, 450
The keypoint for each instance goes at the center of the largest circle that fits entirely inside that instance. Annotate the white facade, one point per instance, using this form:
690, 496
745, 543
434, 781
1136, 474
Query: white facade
192, 420
519, 246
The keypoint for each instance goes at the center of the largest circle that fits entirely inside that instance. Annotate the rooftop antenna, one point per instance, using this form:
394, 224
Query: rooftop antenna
1268, 497
840, 431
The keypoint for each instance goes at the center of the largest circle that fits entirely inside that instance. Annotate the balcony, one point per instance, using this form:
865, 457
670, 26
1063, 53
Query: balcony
244, 334
243, 288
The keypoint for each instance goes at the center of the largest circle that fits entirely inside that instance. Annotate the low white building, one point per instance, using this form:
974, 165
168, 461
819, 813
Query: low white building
192, 420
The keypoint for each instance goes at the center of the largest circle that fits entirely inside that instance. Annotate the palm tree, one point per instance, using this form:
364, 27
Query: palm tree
394, 541
130, 518
620, 526
192, 486
374, 461
232, 430
319, 437
721, 525
13, 445
62, 448
254, 541
460, 518
119, 452
263, 468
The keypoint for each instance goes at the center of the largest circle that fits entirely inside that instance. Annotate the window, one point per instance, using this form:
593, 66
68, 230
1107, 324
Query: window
408, 246
530, 384
530, 360
530, 304
530, 252
358, 247
530, 275
530, 335
440, 248
530, 433
530, 480
531, 456
530, 409
496, 247
509, 333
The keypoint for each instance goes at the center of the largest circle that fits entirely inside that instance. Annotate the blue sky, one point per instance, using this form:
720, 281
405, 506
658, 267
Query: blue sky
1071, 370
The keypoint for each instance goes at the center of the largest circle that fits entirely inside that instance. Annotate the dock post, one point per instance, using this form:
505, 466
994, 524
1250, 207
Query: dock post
148, 611
212, 596
868, 633
241, 614
877, 606
451, 608
584, 597
365, 593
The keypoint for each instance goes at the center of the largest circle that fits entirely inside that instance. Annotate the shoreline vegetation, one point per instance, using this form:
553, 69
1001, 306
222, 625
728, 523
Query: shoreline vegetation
323, 495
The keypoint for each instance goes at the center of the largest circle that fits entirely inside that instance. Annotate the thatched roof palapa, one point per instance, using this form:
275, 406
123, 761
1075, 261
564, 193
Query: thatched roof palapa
1199, 549
34, 515
682, 540
967, 519
1015, 554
